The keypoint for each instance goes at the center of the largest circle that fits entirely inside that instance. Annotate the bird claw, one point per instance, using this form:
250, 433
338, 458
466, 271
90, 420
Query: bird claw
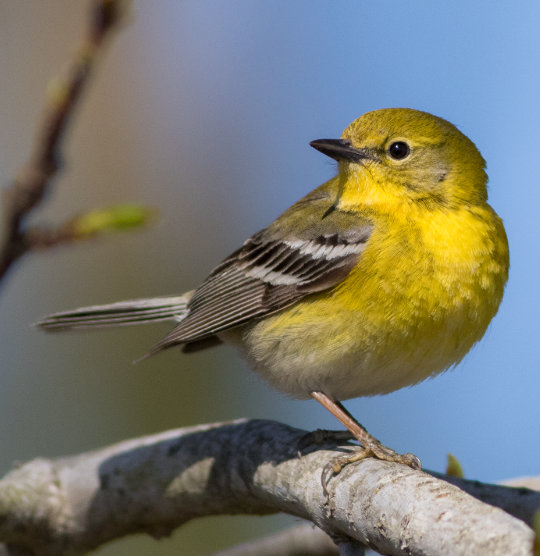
336, 464
370, 447
375, 450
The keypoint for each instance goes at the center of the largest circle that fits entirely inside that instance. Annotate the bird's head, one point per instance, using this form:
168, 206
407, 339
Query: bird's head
398, 154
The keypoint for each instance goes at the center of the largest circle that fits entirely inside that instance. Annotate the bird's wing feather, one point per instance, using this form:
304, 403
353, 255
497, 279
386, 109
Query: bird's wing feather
272, 271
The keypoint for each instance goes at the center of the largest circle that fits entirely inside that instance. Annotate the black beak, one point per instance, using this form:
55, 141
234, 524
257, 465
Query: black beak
340, 149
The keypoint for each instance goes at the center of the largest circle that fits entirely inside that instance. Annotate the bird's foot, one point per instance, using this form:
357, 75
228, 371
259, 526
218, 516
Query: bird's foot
371, 448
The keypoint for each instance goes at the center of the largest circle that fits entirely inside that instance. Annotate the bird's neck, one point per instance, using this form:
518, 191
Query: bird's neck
362, 189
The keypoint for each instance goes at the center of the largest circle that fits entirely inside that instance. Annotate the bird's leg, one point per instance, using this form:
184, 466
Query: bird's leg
371, 447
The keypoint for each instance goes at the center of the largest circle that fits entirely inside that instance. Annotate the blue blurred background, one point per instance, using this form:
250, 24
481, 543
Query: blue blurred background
204, 109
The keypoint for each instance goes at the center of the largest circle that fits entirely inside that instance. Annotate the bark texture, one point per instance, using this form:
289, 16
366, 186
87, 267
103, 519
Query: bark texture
156, 483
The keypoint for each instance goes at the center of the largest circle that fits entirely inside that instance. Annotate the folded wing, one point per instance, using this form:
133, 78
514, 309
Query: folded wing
265, 276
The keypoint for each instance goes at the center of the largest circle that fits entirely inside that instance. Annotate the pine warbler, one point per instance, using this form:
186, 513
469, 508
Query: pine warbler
382, 277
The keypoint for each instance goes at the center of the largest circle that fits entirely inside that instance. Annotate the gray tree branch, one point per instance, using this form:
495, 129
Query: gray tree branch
156, 483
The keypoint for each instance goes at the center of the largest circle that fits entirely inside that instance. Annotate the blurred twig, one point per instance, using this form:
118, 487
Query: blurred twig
296, 541
33, 179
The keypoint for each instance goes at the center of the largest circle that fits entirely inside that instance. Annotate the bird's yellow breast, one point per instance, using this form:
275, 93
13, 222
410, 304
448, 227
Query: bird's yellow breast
423, 293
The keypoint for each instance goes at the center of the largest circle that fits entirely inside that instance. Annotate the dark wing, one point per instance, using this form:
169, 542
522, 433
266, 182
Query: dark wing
268, 274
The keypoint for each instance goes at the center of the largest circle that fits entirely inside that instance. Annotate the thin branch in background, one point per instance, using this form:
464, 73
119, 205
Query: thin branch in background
33, 179
295, 541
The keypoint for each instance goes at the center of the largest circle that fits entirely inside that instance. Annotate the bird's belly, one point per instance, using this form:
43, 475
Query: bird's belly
383, 342
350, 360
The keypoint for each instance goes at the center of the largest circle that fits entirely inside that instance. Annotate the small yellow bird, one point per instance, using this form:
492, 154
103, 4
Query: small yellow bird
382, 277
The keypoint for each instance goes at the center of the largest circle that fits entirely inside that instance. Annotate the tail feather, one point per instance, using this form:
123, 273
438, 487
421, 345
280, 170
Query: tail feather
137, 311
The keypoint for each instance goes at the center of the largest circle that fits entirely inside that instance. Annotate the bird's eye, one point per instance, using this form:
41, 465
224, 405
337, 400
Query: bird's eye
399, 150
